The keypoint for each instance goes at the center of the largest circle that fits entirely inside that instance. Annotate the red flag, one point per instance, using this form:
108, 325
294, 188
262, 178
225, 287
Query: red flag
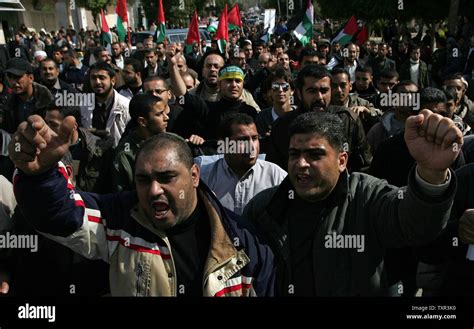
193, 32
160, 24
222, 35
234, 18
121, 10
362, 36
351, 26
122, 17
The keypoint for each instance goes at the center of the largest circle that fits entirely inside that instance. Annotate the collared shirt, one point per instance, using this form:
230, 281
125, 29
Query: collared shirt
274, 114
235, 192
119, 62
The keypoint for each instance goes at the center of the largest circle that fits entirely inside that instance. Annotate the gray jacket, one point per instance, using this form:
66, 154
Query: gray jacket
386, 216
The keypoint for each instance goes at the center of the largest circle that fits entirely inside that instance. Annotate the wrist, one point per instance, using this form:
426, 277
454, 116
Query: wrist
435, 177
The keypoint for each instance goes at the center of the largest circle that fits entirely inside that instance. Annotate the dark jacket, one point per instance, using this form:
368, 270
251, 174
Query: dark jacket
445, 271
94, 173
42, 99
360, 204
360, 156
423, 74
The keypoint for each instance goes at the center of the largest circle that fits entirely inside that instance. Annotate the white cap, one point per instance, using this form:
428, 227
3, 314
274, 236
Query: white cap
40, 53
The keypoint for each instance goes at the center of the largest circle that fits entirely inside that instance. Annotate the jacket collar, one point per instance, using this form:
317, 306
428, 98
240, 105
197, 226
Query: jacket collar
276, 207
222, 235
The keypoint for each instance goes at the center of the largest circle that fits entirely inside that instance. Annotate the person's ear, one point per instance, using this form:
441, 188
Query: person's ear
342, 161
195, 175
112, 81
142, 122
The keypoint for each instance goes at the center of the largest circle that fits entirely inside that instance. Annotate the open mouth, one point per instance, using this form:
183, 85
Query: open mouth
161, 209
303, 179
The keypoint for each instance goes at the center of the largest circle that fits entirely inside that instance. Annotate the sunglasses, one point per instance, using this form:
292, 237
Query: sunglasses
284, 86
158, 91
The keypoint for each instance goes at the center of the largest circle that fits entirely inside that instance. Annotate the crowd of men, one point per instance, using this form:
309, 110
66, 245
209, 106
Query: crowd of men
271, 169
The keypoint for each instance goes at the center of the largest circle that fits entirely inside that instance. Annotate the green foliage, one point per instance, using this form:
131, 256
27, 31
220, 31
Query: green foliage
93, 5
403, 10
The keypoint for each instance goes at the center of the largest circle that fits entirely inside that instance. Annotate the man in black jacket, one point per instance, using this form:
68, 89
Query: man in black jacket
330, 230
313, 85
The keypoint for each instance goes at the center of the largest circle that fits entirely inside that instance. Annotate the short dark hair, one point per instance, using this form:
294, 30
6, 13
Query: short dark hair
281, 73
314, 71
431, 95
141, 105
225, 127
104, 67
165, 141
403, 84
364, 69
389, 74
340, 70
323, 124
66, 111
451, 94
308, 52
135, 63
156, 78
47, 59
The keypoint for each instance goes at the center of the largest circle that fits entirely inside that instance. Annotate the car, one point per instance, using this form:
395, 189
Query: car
174, 35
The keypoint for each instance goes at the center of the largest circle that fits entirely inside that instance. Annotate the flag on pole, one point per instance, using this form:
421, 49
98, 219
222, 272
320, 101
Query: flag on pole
345, 34
105, 35
122, 17
212, 28
160, 28
222, 35
193, 33
234, 19
304, 30
362, 36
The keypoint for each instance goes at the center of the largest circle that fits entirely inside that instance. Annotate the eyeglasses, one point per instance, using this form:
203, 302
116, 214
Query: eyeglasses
158, 91
284, 86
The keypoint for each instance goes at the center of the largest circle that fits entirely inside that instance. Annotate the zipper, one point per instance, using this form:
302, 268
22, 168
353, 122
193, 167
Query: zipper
139, 276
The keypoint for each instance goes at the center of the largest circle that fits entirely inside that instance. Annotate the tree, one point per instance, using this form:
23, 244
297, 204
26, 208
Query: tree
94, 6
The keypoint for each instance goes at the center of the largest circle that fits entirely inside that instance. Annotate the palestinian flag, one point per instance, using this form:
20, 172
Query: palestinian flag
344, 35
212, 28
222, 35
122, 17
160, 28
234, 19
362, 36
105, 35
193, 33
304, 30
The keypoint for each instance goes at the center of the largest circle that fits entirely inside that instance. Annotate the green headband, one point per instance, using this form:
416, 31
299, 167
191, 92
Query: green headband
231, 72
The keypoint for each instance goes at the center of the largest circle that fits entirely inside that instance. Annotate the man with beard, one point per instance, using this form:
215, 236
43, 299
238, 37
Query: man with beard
110, 114
170, 237
313, 85
208, 89
28, 96
206, 116
49, 72
132, 77
330, 230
